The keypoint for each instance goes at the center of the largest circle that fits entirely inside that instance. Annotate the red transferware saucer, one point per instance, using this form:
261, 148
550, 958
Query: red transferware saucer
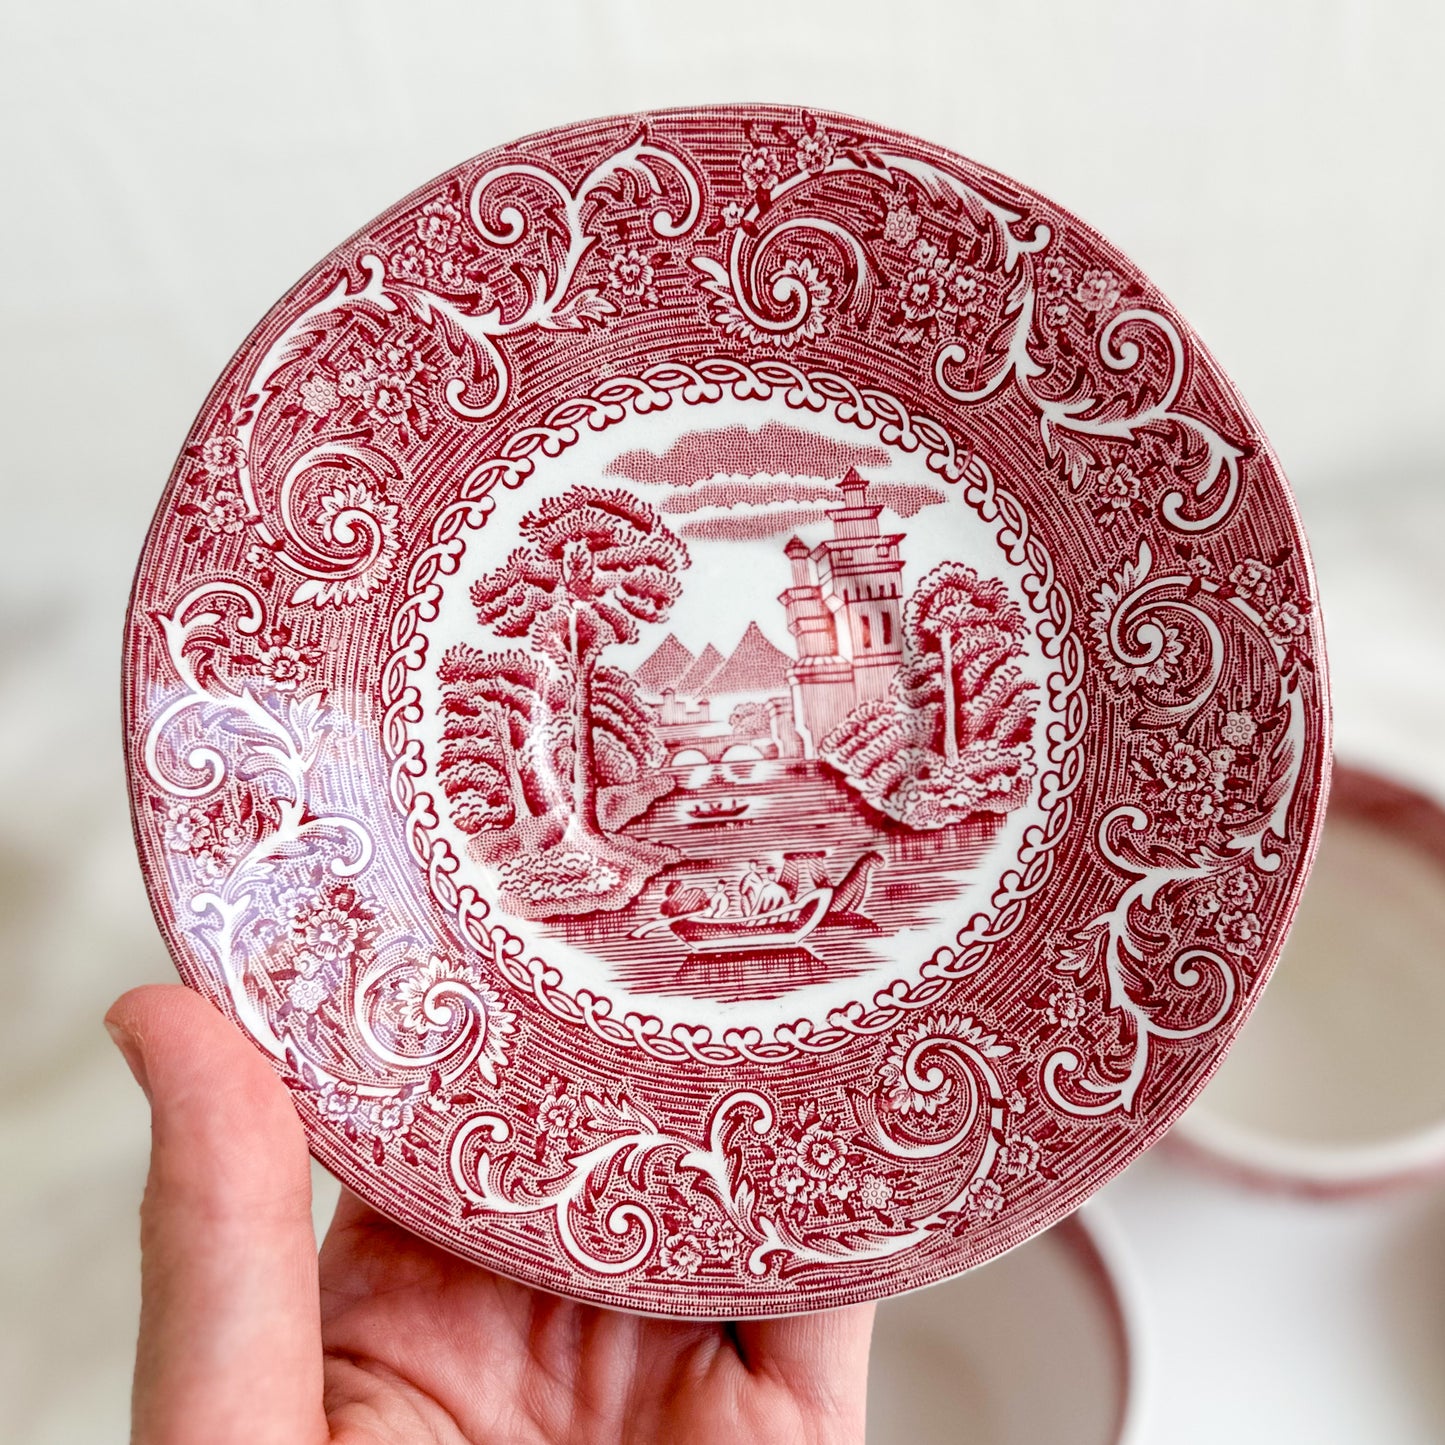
736, 704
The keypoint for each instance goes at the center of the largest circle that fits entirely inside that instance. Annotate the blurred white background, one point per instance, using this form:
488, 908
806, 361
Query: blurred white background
170, 168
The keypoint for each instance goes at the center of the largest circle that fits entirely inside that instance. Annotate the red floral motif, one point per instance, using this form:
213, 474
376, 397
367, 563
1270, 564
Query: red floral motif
385, 383
307, 994
1238, 889
327, 935
222, 514
1239, 729
205, 833
340, 1104
875, 1193
985, 1199
1287, 622
260, 561
1190, 783
698, 1236
439, 227
283, 664
1098, 290
1119, 491
1199, 808
1251, 578
319, 395
223, 455
1210, 782
813, 1166
330, 931
1056, 314
1176, 766
1055, 276
1229, 909
759, 164
815, 150
388, 1118
632, 274
1022, 1156
901, 223
1198, 566
937, 296
1268, 587
1066, 1006
378, 383
440, 254
420, 266
557, 1116
921, 296
1239, 932
220, 458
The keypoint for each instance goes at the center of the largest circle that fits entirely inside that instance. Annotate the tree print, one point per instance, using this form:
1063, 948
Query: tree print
751, 720
965, 634
547, 754
495, 704
595, 564
951, 740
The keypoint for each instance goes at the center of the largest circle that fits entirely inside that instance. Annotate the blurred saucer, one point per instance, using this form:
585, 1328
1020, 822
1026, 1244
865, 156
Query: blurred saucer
1338, 1083
1043, 1344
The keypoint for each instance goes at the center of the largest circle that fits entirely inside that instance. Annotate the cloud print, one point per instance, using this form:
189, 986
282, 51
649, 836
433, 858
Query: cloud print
907, 499
735, 451
748, 526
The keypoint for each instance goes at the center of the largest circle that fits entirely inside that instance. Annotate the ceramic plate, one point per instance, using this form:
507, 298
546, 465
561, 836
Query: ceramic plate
737, 705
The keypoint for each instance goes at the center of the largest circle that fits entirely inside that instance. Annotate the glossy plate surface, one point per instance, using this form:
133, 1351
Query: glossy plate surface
735, 702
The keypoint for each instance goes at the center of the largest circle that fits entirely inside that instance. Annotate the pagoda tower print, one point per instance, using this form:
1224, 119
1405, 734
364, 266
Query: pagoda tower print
844, 610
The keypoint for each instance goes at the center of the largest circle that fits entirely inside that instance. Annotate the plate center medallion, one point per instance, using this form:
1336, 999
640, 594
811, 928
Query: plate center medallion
732, 714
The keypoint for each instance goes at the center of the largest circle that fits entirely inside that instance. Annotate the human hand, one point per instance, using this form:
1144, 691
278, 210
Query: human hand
246, 1338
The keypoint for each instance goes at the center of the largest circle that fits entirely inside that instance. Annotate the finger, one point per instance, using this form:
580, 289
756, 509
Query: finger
822, 1356
230, 1346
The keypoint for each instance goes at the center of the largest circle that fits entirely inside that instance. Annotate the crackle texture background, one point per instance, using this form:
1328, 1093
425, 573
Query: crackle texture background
170, 170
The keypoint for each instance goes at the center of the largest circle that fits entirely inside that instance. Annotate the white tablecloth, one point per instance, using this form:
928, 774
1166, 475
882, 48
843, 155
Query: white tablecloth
170, 168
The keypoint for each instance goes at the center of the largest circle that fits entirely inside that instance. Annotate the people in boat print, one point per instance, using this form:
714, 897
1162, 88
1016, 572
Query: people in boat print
760, 892
763, 894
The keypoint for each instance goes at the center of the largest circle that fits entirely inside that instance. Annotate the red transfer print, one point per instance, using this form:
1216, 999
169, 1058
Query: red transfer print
735, 703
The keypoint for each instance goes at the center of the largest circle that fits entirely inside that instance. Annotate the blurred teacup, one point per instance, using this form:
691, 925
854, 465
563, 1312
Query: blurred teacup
1040, 1345
1337, 1082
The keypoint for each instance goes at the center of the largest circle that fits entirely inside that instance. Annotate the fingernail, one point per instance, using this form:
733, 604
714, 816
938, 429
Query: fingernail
125, 1042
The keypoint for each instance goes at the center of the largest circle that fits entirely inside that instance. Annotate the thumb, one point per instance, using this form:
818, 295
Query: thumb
230, 1347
